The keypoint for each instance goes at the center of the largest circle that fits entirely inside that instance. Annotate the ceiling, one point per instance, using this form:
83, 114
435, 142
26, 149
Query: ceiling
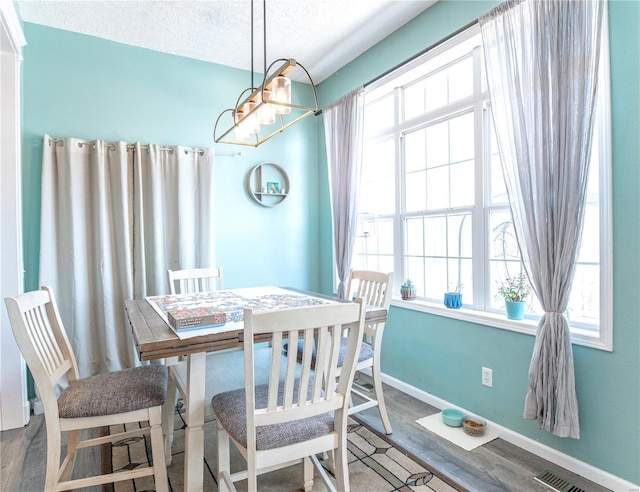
323, 35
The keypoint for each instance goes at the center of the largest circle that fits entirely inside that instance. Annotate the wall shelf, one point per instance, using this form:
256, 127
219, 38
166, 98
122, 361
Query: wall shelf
266, 177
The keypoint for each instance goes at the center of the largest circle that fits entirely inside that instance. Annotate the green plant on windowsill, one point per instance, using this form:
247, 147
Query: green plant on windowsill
515, 289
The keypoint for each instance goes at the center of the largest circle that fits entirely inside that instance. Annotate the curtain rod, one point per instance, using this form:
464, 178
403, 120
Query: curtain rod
422, 52
112, 146
417, 55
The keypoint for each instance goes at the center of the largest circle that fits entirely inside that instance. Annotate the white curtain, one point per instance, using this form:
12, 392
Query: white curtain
109, 210
173, 214
542, 69
344, 133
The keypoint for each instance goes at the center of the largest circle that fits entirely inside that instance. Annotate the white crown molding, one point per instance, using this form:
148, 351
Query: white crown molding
596, 475
9, 19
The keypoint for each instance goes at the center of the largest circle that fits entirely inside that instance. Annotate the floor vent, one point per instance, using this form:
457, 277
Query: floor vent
554, 482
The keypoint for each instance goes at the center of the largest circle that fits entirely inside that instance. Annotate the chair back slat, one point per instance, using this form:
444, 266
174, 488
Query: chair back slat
194, 280
374, 287
290, 374
302, 390
43, 339
308, 342
38, 331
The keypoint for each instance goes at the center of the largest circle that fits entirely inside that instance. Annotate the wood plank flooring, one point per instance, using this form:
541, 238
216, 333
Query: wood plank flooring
496, 466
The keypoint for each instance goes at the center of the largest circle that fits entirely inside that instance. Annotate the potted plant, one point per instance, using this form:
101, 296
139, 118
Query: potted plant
408, 291
515, 290
453, 299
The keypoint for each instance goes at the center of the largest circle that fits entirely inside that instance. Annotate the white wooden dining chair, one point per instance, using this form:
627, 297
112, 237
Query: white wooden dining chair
128, 396
187, 281
300, 412
375, 288
195, 280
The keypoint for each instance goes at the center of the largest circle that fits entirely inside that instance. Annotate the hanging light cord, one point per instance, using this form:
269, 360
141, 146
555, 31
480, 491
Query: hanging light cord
264, 33
252, 86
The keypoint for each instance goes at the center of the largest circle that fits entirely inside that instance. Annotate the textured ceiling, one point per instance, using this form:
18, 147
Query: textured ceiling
323, 35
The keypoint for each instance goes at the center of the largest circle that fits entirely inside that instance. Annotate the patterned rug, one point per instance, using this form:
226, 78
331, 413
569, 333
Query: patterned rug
375, 465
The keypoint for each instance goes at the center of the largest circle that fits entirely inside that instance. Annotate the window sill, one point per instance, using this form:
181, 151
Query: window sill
495, 320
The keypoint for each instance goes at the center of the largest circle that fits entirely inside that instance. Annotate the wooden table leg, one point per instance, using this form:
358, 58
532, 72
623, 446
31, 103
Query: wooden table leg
194, 433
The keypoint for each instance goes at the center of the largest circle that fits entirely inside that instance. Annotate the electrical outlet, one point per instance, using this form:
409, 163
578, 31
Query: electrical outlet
487, 377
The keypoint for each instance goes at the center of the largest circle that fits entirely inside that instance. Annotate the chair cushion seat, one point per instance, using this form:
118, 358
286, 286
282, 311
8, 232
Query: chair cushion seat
366, 351
230, 409
115, 392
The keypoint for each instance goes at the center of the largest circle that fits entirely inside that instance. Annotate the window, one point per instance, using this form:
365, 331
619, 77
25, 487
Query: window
433, 204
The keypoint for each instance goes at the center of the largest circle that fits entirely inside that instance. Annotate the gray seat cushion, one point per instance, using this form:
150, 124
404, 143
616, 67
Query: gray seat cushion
230, 410
115, 392
366, 351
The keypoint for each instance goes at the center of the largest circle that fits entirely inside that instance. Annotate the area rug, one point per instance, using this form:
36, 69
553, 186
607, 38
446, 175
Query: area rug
456, 435
375, 465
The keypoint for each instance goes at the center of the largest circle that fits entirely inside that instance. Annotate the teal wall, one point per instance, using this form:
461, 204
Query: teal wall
81, 86
75, 85
444, 356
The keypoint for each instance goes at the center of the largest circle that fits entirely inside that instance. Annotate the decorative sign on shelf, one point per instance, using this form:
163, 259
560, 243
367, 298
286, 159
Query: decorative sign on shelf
268, 184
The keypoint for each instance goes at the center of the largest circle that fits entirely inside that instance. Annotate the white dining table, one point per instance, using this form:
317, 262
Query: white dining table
155, 339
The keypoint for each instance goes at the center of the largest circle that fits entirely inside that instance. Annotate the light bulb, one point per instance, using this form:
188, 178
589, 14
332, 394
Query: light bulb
282, 93
240, 131
267, 111
251, 119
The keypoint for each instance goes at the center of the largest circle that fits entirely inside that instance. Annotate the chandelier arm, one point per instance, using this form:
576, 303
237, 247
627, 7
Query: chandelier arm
250, 89
267, 70
313, 86
215, 127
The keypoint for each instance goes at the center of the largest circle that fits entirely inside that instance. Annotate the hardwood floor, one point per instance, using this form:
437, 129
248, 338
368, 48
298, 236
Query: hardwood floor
496, 466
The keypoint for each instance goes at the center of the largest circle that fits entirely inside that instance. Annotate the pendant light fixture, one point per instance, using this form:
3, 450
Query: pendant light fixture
262, 112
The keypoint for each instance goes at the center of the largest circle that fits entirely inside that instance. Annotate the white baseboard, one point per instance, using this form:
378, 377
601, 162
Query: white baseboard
596, 475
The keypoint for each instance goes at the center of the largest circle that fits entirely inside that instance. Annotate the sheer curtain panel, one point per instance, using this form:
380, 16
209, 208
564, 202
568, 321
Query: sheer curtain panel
114, 218
542, 63
344, 132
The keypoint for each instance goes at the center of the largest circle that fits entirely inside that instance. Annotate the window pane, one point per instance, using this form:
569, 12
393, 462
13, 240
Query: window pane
584, 302
379, 115
462, 184
441, 87
504, 257
436, 87
415, 96
435, 233
438, 188
415, 151
416, 191
436, 269
460, 80
459, 249
497, 190
374, 244
438, 144
377, 193
415, 235
590, 244
415, 271
461, 138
